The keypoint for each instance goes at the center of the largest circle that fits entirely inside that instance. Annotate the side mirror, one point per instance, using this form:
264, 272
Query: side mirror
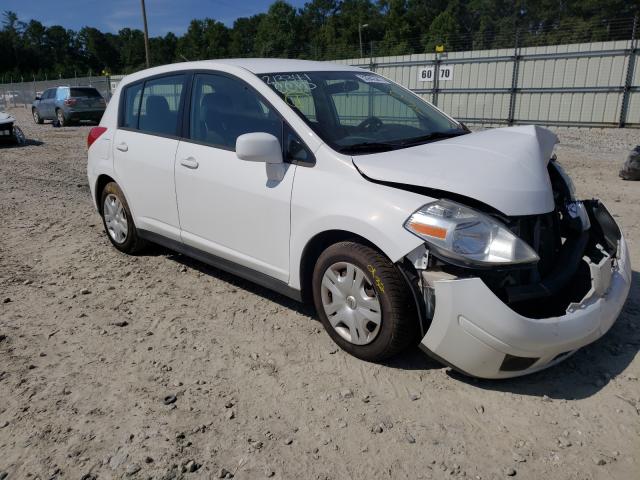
262, 147
37, 98
259, 147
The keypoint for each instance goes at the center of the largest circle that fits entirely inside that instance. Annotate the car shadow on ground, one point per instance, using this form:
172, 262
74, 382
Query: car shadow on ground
29, 142
303, 309
580, 376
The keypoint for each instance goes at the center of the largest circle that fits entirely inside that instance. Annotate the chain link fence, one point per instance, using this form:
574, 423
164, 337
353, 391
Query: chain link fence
533, 79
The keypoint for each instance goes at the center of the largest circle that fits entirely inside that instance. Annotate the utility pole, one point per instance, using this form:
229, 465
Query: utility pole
360, 27
146, 33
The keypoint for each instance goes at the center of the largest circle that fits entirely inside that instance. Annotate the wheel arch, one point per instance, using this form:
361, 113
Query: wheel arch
101, 182
314, 248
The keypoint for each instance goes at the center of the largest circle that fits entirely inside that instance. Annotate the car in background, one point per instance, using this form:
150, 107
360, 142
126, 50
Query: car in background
68, 105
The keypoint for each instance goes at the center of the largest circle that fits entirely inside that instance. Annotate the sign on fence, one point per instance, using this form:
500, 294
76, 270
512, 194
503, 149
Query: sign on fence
426, 74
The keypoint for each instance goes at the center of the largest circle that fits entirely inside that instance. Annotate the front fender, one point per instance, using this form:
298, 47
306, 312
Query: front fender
334, 196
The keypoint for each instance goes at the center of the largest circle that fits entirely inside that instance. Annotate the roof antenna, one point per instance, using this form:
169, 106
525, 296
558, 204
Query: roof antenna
184, 58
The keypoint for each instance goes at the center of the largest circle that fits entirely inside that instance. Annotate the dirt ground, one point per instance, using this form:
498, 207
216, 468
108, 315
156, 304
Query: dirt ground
92, 342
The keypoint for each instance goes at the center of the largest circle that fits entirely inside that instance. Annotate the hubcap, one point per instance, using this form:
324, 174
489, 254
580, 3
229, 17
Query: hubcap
351, 303
35, 116
115, 217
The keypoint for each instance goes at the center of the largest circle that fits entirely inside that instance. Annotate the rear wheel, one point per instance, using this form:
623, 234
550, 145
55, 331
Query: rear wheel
363, 301
36, 116
60, 116
118, 222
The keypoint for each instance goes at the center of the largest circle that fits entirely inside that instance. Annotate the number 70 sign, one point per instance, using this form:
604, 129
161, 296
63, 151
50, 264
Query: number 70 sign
426, 74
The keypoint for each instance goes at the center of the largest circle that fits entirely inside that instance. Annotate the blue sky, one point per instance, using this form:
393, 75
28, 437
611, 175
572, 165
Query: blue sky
111, 15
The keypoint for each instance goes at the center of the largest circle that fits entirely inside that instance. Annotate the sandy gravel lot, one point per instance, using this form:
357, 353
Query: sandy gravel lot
92, 341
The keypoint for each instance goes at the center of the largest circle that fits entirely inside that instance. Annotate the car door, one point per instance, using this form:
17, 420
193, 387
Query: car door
43, 106
227, 206
144, 146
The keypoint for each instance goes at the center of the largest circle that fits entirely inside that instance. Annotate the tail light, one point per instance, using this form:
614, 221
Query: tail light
70, 101
94, 134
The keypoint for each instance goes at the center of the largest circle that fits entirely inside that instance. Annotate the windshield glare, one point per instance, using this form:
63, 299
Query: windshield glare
361, 112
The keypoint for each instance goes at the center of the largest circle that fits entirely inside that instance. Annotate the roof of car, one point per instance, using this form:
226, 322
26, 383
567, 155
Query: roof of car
256, 66
272, 65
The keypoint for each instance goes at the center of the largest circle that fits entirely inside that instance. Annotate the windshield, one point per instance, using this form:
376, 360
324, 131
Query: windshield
361, 112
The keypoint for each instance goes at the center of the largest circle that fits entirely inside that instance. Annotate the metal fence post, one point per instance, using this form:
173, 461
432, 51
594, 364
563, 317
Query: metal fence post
631, 63
372, 65
436, 81
514, 80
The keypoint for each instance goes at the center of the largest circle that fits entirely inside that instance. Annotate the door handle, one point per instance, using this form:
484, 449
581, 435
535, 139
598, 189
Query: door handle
123, 147
189, 162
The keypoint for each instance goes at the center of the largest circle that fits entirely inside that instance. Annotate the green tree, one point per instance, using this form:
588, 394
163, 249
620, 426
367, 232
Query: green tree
278, 32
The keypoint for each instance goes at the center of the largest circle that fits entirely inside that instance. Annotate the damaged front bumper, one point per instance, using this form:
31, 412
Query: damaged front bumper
477, 333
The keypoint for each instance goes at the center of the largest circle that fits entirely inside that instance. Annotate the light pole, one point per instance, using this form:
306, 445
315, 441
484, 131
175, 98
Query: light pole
360, 27
146, 33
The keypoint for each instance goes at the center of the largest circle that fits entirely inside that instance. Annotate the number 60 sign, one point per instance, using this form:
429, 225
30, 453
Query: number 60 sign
426, 74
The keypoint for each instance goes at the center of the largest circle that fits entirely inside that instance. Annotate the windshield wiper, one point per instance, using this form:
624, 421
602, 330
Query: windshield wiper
369, 147
431, 137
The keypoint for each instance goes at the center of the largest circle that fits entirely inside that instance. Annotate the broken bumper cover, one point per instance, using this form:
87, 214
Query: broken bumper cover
478, 334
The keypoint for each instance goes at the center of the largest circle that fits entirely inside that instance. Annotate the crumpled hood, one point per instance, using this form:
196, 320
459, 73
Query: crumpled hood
505, 168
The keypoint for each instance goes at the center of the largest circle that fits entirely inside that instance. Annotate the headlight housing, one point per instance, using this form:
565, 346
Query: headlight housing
468, 236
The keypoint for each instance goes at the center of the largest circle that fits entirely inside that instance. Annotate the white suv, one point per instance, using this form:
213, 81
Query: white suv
332, 184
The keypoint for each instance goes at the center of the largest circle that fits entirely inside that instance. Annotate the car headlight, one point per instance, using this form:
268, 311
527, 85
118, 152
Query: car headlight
466, 235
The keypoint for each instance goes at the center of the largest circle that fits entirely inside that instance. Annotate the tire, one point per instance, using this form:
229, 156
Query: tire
398, 324
36, 116
60, 117
131, 243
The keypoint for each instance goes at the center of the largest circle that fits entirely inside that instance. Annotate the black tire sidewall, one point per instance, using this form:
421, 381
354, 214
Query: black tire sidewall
379, 348
129, 245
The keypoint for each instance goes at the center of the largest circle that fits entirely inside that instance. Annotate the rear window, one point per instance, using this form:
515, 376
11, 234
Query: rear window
85, 92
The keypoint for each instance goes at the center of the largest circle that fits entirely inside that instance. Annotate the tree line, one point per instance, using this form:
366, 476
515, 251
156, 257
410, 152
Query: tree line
322, 29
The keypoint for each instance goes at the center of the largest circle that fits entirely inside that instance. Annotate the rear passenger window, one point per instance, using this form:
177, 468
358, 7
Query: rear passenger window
160, 105
223, 108
131, 105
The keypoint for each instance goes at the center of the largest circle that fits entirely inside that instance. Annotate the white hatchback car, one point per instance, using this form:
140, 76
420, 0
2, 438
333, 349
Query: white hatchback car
332, 184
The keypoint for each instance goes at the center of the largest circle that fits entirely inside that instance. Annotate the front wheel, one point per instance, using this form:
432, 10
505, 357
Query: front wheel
36, 117
118, 221
363, 302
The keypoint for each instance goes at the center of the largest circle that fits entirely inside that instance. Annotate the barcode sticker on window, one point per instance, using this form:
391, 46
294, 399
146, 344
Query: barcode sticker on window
371, 78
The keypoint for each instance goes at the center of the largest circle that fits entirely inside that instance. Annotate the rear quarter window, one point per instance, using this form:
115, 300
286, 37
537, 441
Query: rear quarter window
61, 93
131, 106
